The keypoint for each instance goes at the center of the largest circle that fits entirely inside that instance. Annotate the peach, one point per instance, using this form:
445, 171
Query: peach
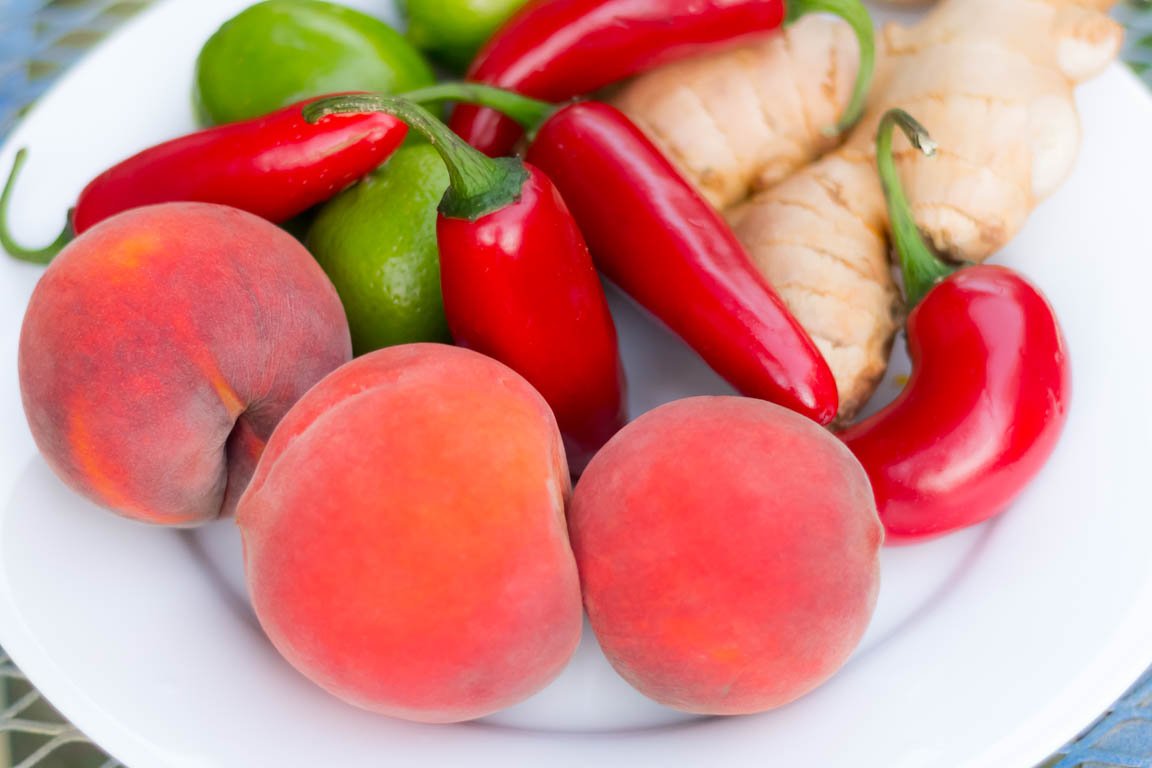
404, 536
728, 554
162, 346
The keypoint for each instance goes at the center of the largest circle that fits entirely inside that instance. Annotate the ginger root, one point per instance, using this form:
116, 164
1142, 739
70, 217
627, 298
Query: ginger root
738, 121
992, 81
819, 239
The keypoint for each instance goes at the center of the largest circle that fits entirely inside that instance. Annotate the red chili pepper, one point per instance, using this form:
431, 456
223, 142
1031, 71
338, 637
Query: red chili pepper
989, 391
556, 50
275, 166
653, 235
518, 281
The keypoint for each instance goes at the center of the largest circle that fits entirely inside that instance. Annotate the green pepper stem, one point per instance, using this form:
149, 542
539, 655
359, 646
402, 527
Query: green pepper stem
529, 113
478, 185
33, 255
922, 268
853, 12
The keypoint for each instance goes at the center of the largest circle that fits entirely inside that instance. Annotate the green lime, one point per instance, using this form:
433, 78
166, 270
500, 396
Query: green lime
377, 242
451, 31
282, 51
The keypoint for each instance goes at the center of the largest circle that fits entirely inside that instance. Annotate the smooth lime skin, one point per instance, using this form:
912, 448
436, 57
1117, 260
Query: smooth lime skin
281, 51
452, 31
377, 243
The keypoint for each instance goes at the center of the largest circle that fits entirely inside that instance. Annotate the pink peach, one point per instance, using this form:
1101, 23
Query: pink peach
728, 554
162, 346
404, 536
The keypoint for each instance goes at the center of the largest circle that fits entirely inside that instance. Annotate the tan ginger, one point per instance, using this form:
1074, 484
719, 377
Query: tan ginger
738, 121
819, 239
992, 80
1007, 127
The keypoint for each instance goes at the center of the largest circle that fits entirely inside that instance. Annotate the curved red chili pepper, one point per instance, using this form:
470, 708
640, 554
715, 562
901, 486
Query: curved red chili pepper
556, 50
518, 281
988, 395
655, 237
275, 166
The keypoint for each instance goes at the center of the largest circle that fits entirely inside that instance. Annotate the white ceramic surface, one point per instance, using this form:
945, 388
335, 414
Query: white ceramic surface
988, 650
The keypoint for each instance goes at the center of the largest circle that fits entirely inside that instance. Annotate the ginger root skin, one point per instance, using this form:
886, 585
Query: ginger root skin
738, 121
998, 99
819, 238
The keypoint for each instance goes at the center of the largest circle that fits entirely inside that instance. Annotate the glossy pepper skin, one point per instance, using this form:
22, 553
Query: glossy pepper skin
981, 413
555, 50
989, 391
518, 281
280, 52
274, 166
519, 286
656, 238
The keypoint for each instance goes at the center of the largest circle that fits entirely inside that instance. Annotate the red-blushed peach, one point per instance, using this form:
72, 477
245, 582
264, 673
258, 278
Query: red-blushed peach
728, 554
404, 536
162, 346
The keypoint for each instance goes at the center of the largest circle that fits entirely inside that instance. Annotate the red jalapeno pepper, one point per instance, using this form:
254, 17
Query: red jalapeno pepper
653, 235
556, 50
518, 281
989, 391
275, 166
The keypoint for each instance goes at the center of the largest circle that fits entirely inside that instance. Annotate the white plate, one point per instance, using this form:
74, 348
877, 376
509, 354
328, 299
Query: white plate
989, 648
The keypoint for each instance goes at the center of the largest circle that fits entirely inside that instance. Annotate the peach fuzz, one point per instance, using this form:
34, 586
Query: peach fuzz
404, 536
160, 349
728, 554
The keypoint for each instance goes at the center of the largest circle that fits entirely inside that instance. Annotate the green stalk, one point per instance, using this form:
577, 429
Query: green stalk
529, 113
853, 12
478, 184
922, 268
33, 255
